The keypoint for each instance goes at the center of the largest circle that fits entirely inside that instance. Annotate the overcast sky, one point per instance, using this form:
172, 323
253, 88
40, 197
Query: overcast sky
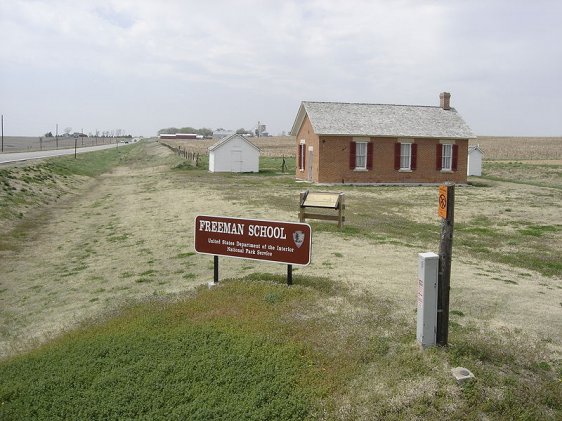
145, 65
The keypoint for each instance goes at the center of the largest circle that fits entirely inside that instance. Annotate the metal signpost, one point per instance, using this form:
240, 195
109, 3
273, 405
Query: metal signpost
272, 241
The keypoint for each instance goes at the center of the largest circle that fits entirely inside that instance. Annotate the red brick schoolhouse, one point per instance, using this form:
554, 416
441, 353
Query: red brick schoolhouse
381, 143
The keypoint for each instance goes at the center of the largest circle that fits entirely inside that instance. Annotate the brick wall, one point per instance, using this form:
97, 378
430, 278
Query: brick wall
307, 134
334, 151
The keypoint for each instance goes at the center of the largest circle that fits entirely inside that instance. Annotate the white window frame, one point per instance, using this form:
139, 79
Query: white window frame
405, 156
361, 158
446, 157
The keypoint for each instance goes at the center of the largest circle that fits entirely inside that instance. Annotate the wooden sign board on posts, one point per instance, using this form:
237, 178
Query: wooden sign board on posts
324, 200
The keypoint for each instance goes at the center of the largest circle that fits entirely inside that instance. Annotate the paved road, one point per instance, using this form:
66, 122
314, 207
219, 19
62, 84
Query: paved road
27, 156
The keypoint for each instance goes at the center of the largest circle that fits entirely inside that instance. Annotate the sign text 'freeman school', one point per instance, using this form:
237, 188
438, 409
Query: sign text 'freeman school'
273, 241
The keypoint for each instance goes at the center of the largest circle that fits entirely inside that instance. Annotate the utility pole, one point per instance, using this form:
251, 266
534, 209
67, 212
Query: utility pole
2, 132
57, 136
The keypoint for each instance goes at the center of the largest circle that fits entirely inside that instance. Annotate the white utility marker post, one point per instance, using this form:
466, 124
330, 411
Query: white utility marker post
428, 270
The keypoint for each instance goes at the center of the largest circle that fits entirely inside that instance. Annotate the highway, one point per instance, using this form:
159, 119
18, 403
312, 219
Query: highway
28, 156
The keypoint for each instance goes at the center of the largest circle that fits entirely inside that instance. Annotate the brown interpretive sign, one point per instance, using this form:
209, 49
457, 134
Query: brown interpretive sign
273, 241
322, 200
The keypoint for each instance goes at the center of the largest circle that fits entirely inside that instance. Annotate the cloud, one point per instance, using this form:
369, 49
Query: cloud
402, 51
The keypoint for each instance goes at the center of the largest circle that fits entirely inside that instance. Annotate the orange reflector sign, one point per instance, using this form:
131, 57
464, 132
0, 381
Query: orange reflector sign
442, 211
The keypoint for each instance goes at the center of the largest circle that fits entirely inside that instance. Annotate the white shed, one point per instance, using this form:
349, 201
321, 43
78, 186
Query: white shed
474, 166
234, 153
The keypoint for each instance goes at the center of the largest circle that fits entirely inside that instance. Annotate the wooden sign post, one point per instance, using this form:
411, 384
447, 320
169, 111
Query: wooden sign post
446, 212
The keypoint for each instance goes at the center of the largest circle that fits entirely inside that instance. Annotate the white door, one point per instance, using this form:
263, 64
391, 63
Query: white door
236, 160
310, 159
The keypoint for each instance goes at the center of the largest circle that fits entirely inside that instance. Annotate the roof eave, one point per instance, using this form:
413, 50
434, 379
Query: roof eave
228, 138
396, 136
299, 119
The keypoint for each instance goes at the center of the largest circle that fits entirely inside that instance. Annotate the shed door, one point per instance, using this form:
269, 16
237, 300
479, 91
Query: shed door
236, 160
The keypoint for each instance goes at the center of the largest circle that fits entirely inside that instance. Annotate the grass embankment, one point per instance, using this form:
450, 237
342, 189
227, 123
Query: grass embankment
26, 188
255, 349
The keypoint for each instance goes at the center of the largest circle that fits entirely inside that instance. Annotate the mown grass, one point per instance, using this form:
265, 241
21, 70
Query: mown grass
523, 173
256, 349
380, 214
516, 243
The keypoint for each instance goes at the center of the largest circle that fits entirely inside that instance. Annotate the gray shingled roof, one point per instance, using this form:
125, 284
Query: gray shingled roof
350, 119
228, 139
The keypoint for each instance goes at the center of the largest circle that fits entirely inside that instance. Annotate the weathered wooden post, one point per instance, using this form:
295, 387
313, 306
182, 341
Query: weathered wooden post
446, 212
341, 209
301, 205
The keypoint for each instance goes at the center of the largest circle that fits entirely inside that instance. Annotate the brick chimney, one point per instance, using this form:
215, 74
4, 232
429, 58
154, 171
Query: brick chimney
445, 100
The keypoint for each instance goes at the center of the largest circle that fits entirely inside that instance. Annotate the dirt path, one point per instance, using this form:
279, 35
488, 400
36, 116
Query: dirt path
131, 237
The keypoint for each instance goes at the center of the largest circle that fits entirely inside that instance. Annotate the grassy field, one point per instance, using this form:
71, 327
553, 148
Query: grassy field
106, 314
520, 148
274, 146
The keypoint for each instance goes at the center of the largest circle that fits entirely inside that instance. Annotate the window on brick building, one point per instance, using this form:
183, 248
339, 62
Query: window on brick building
361, 155
405, 156
447, 157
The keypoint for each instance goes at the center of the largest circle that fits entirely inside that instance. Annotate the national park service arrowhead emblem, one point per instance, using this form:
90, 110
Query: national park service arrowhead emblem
298, 238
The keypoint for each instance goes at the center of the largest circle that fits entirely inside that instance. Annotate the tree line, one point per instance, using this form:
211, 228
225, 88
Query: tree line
104, 133
203, 132
173, 130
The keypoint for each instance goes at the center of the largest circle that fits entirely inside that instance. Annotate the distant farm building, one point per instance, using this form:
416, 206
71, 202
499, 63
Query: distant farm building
261, 130
181, 136
381, 143
221, 134
474, 166
234, 153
